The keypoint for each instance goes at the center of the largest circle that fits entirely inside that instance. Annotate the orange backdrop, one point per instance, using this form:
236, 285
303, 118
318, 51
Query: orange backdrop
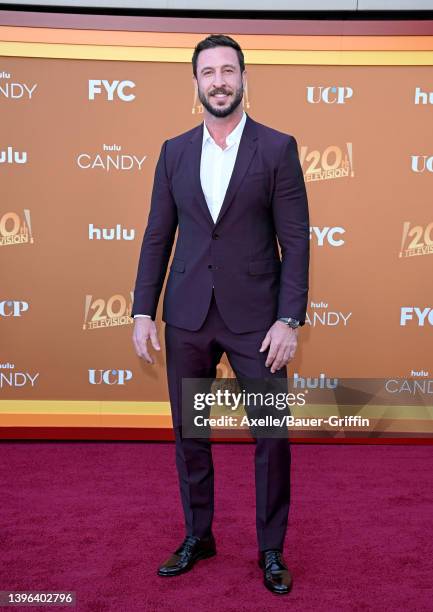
79, 143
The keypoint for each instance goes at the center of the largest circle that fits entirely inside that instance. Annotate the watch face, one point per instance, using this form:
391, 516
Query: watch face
289, 321
293, 323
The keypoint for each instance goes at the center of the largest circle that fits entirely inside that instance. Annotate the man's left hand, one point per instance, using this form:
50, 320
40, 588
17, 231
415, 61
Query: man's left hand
282, 341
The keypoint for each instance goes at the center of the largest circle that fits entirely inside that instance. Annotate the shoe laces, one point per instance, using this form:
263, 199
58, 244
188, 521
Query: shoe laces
272, 556
187, 545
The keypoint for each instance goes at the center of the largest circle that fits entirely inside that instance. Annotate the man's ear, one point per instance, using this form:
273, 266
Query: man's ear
244, 77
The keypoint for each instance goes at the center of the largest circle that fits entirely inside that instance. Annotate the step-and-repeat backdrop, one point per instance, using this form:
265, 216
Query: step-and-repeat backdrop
86, 102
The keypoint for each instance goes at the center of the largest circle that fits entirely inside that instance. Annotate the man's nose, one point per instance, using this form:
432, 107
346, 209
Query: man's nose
219, 80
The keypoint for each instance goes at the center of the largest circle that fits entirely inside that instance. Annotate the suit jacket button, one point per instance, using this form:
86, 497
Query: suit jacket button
215, 236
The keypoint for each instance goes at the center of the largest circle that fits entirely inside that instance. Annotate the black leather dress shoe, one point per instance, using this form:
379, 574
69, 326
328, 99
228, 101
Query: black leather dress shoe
276, 576
183, 559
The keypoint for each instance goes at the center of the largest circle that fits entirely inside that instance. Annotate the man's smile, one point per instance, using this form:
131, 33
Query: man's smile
220, 95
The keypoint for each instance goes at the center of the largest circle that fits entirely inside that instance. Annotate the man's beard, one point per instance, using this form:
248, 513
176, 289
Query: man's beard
222, 112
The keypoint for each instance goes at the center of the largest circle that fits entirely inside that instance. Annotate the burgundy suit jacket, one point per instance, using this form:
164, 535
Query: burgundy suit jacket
265, 202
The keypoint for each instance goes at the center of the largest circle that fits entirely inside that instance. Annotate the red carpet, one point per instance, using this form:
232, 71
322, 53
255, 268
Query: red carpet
97, 518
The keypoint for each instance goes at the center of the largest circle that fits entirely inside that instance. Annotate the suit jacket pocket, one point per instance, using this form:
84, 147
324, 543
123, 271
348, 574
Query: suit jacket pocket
177, 265
263, 266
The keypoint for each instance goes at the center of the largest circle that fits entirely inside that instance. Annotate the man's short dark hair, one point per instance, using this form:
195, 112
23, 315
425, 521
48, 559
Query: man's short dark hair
217, 40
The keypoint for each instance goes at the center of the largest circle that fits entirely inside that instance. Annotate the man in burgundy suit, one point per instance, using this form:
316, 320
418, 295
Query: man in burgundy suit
232, 187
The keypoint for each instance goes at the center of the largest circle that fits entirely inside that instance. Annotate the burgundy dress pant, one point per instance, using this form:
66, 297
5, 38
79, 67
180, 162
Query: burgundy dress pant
196, 354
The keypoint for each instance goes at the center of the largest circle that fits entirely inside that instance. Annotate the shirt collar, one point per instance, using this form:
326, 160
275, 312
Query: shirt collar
234, 136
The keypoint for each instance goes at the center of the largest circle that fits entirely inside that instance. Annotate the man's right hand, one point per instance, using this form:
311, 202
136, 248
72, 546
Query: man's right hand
145, 329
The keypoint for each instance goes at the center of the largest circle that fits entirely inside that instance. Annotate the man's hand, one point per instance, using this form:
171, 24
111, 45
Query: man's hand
145, 328
283, 341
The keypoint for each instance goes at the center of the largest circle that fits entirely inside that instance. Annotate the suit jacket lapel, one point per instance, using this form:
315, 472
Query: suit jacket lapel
246, 150
194, 159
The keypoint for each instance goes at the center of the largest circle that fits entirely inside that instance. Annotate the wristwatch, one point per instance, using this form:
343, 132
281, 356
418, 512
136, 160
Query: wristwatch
293, 323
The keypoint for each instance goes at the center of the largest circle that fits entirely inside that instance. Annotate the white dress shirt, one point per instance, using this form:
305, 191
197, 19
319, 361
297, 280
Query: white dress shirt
216, 168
